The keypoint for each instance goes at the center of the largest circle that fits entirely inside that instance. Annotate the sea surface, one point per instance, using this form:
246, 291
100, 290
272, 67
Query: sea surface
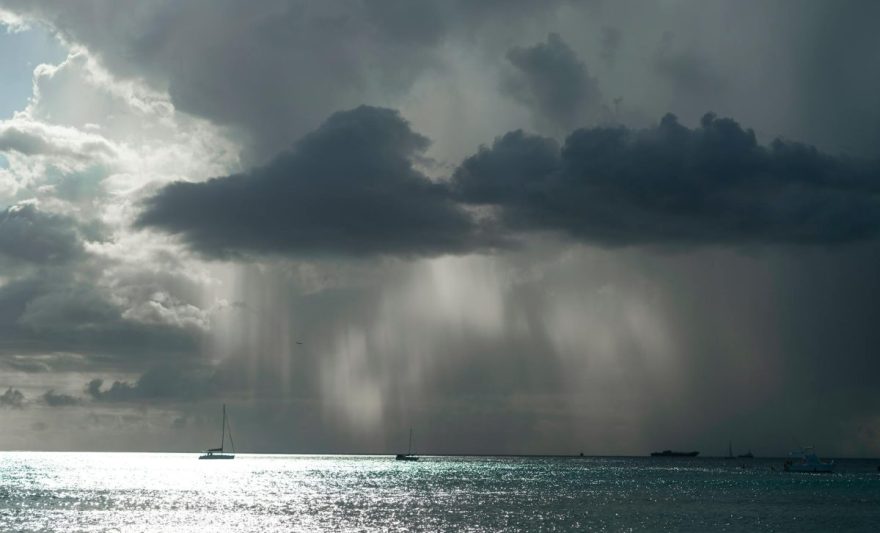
177, 492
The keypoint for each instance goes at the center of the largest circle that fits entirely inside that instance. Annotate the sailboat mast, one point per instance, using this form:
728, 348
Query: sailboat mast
223, 430
409, 452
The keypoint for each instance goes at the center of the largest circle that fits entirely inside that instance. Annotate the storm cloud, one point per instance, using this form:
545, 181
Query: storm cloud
666, 185
56, 399
343, 278
551, 80
674, 185
348, 188
304, 59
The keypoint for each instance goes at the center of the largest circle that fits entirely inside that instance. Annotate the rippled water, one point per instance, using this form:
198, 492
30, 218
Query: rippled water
177, 492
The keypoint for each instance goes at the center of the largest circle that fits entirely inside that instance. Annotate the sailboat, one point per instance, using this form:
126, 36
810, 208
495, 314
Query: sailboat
408, 456
217, 453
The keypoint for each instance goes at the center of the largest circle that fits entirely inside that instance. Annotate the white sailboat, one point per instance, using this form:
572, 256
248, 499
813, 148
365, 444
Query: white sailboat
408, 456
217, 453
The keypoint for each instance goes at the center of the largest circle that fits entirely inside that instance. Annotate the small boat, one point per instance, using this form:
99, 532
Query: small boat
805, 460
747, 455
408, 456
217, 453
670, 453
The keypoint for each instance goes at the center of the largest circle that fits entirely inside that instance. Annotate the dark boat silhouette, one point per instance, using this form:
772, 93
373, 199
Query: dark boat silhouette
217, 453
670, 453
408, 456
747, 455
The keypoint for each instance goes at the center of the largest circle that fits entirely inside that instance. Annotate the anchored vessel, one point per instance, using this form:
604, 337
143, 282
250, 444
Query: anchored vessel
217, 453
670, 453
747, 455
408, 456
805, 460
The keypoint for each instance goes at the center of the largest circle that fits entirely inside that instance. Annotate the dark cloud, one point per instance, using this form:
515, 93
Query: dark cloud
607, 350
551, 80
670, 184
30, 235
61, 312
54, 399
12, 398
171, 382
348, 188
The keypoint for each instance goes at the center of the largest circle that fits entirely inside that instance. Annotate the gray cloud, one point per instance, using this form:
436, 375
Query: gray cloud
12, 398
669, 184
54, 399
837, 71
33, 236
57, 312
551, 80
348, 188
170, 382
293, 62
690, 74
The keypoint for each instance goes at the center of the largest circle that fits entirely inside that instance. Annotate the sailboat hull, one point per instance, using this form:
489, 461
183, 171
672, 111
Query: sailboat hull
217, 456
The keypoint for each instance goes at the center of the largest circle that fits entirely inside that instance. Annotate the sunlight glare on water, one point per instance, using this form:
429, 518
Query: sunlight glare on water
177, 492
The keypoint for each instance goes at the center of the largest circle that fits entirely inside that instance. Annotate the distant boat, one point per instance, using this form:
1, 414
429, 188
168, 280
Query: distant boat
747, 455
408, 456
805, 460
670, 453
217, 453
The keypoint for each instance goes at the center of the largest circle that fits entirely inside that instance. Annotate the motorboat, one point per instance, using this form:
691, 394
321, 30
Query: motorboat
805, 460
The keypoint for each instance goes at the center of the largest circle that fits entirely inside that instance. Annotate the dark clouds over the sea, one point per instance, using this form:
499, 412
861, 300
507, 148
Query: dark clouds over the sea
350, 188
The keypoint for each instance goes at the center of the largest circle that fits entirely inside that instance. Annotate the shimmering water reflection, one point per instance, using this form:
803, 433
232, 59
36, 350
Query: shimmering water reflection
177, 492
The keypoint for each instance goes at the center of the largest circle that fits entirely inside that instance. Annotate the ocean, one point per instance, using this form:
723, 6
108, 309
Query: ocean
178, 493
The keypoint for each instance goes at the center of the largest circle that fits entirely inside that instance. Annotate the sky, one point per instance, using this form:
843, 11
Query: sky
515, 227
